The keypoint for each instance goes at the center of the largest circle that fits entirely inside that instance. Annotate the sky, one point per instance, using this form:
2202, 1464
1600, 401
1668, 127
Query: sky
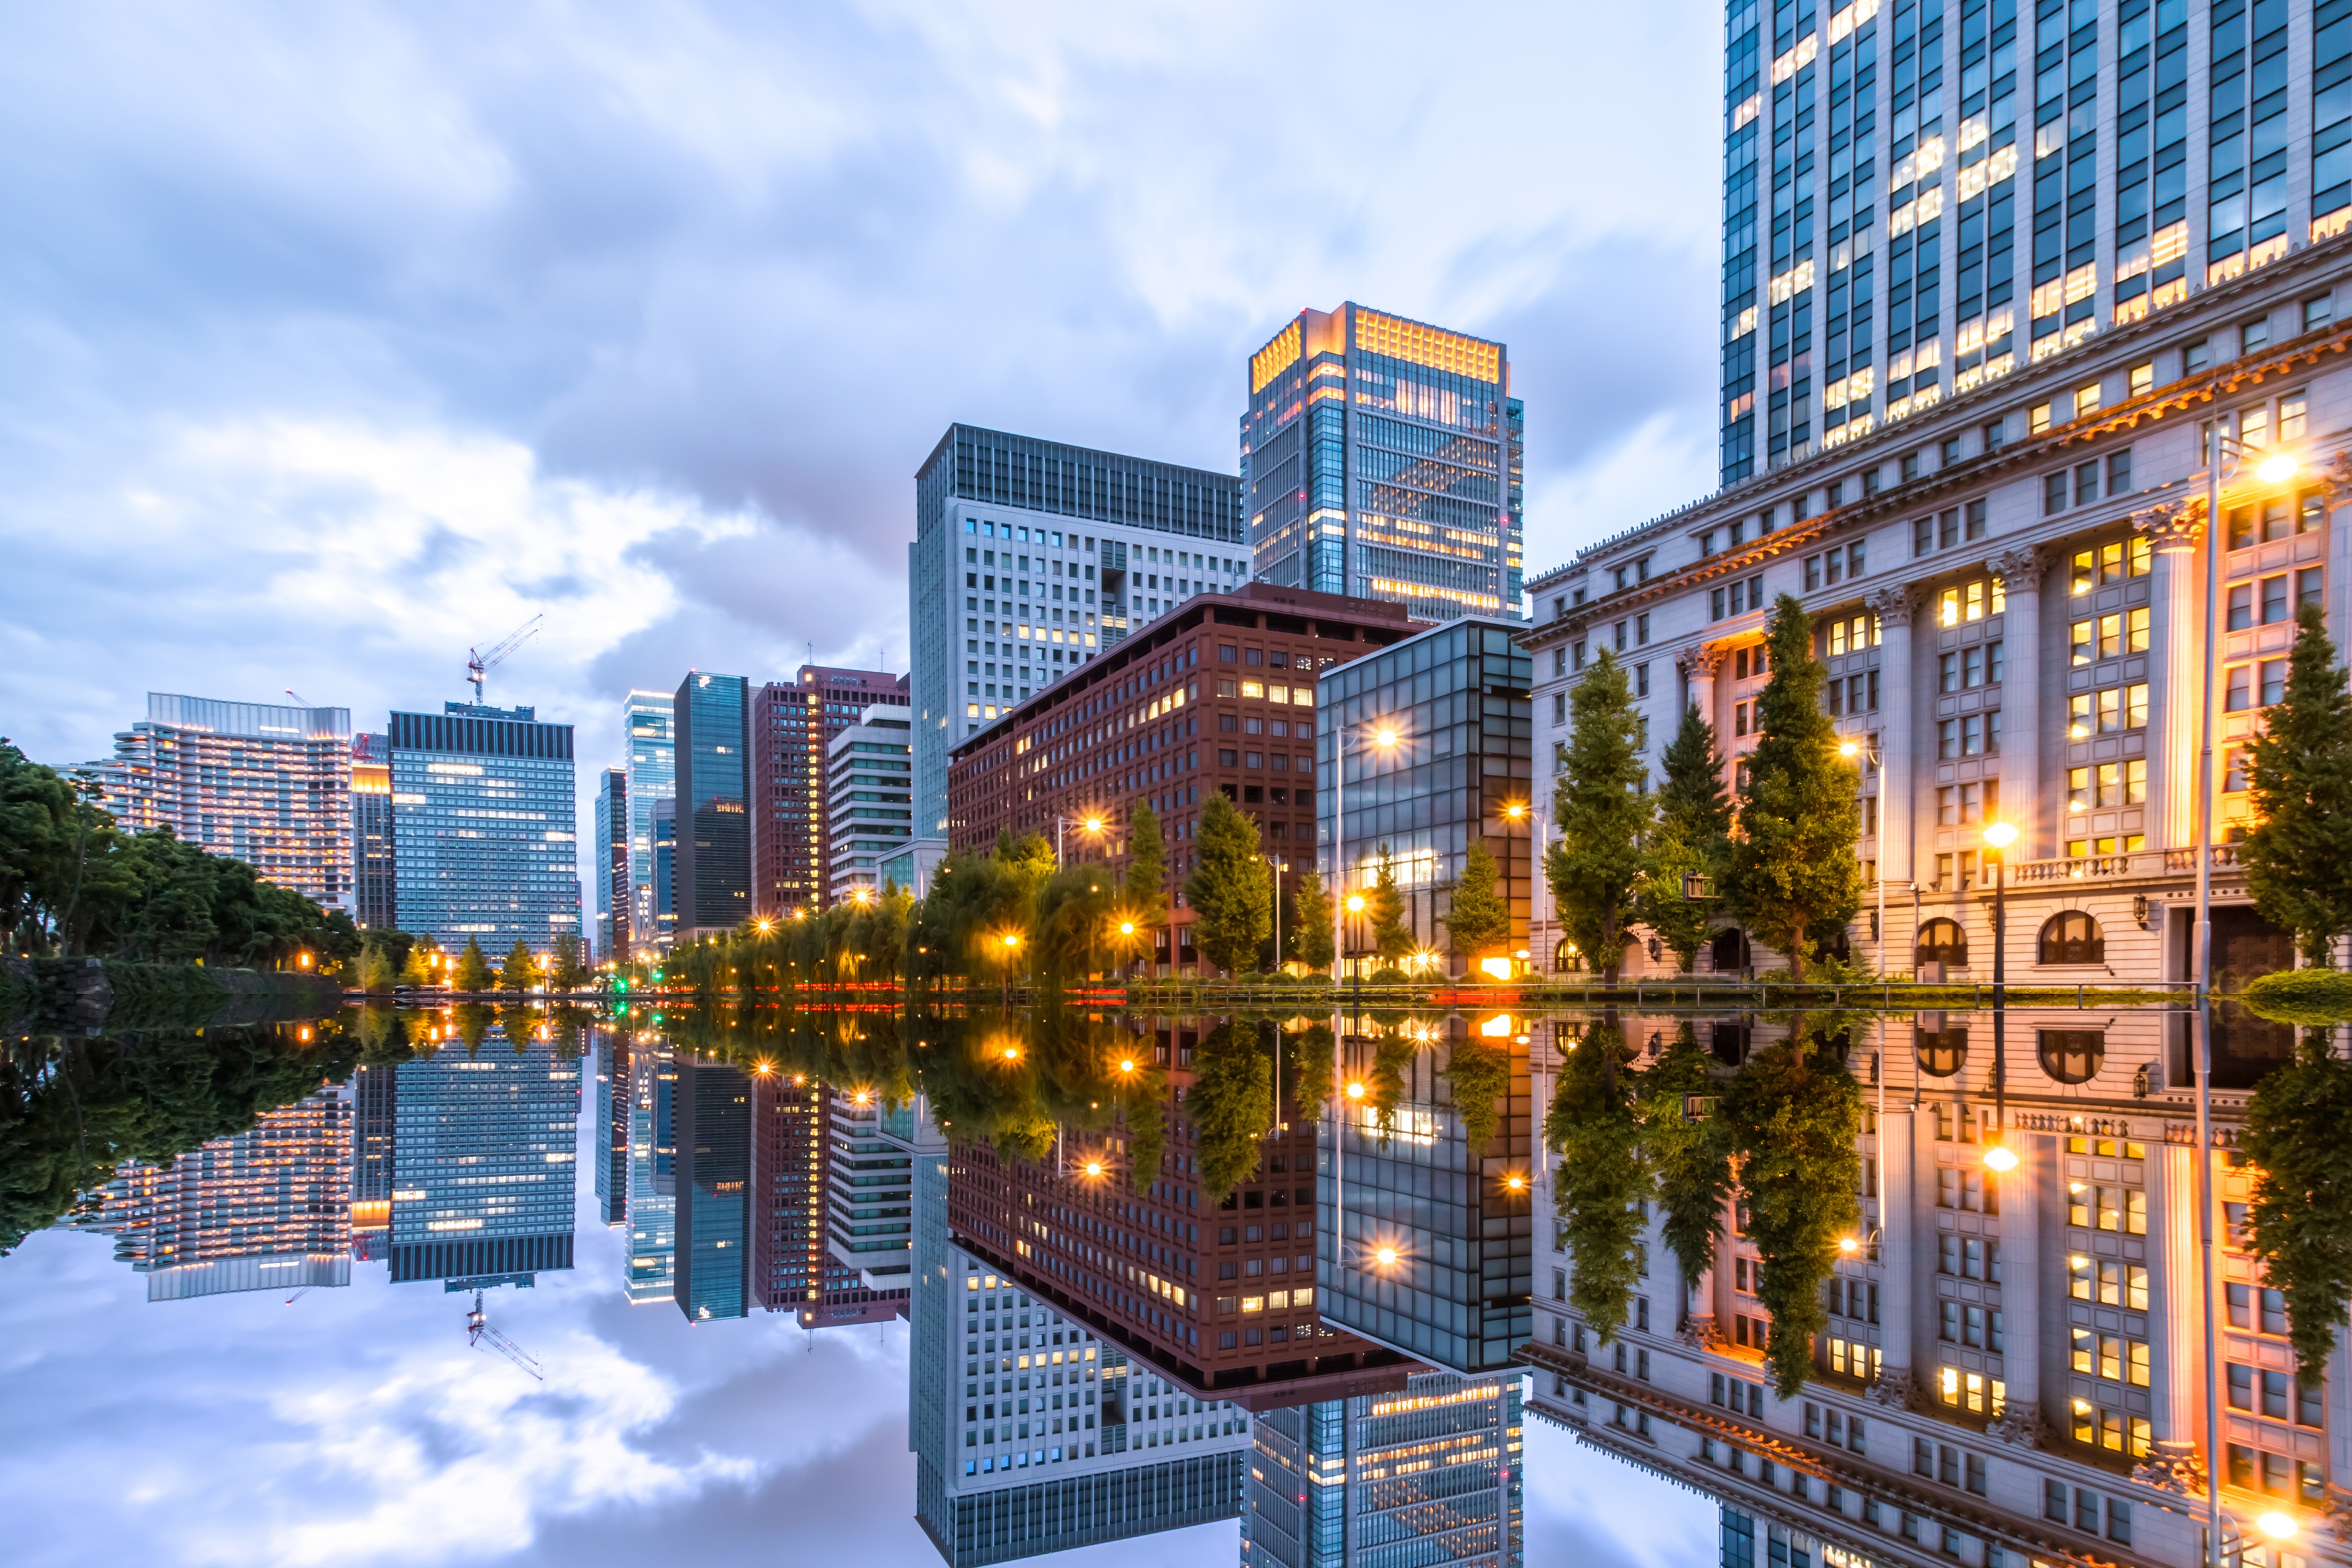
337, 341
355, 1428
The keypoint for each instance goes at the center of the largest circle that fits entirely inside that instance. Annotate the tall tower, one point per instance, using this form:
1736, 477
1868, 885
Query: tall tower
793, 729
612, 864
649, 719
713, 865
1384, 460
484, 840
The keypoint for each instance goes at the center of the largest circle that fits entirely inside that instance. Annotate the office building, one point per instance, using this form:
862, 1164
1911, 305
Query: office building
1434, 1468
712, 1105
1384, 460
712, 867
265, 784
375, 1127
1456, 697
793, 727
482, 1164
911, 864
266, 1209
833, 1215
869, 799
1216, 695
648, 719
1031, 557
374, 898
614, 1059
1031, 1434
613, 893
483, 827
664, 824
2074, 172
653, 1186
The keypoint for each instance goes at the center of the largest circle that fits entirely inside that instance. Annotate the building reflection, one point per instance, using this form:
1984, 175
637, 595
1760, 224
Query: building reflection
2013, 1366
483, 1146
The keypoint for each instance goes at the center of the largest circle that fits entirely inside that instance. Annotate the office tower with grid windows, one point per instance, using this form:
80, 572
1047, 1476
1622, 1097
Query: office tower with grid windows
713, 864
1341, 1483
374, 898
712, 1107
869, 799
374, 1089
483, 820
648, 720
793, 725
1921, 199
1029, 558
482, 1164
1384, 460
611, 863
265, 784
653, 1187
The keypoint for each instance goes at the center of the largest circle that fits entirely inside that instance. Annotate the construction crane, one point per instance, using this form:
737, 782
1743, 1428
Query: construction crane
478, 664
478, 1329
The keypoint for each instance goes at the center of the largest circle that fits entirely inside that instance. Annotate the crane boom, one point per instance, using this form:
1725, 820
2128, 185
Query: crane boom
478, 664
478, 1329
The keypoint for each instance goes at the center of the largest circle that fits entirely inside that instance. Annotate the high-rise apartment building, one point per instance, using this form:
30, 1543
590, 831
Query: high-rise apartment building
712, 1107
869, 799
1031, 1434
793, 729
614, 894
483, 814
374, 896
482, 1164
1031, 557
265, 784
1384, 460
713, 863
266, 1209
1434, 1467
648, 719
1921, 200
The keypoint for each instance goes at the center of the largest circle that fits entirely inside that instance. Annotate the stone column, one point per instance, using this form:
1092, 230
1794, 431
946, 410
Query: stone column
2020, 571
1898, 1251
2175, 687
2039, 1173
2176, 1320
1897, 788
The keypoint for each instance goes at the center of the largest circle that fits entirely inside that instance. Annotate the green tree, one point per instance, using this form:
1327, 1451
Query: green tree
1230, 896
1230, 1106
376, 970
2298, 855
1792, 1121
1145, 886
2300, 1216
1602, 812
1479, 1074
418, 968
1690, 837
1384, 909
519, 969
1692, 1167
1311, 940
1477, 918
565, 970
1792, 870
1600, 1181
473, 973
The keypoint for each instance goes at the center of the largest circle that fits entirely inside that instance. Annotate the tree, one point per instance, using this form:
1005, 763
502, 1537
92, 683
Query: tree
376, 970
1477, 918
2300, 1216
1791, 869
1145, 886
1689, 837
519, 969
1230, 1106
2298, 854
473, 973
1479, 1074
1384, 908
1312, 940
419, 969
1601, 812
565, 970
1231, 899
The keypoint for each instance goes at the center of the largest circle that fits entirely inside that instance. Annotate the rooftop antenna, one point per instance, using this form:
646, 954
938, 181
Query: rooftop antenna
478, 664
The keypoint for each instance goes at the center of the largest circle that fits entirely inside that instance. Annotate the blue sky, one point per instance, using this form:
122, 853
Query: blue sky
355, 1428
335, 340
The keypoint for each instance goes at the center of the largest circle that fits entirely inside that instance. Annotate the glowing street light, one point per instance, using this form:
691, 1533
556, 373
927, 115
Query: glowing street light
1093, 1168
1385, 1256
2000, 1157
2276, 1525
1355, 1091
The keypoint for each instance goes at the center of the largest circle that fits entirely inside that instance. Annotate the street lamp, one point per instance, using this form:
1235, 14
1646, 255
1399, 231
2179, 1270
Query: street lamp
1384, 737
1279, 866
1091, 824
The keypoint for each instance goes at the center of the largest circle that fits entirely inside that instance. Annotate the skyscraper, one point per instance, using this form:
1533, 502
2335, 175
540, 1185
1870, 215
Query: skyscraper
793, 726
802, 1211
1004, 596
712, 1105
1341, 1483
869, 799
614, 1059
376, 1099
483, 817
482, 1163
648, 718
1384, 460
663, 820
376, 903
614, 891
653, 1188
265, 784
713, 864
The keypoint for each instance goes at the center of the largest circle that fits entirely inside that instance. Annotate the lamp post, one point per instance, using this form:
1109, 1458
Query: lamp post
1278, 868
1868, 750
1091, 824
1385, 738
1999, 1156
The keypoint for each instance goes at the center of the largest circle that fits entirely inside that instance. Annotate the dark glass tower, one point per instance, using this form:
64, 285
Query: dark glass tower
712, 1104
713, 865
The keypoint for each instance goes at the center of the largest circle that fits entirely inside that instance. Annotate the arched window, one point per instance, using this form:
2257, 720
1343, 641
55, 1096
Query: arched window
2073, 937
1941, 1055
1943, 941
1565, 958
2070, 1056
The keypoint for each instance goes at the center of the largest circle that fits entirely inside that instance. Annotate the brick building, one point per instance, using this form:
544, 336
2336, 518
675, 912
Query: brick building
792, 724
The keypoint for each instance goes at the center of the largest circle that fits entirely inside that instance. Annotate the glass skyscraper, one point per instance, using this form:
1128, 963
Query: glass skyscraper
482, 1164
653, 1187
1953, 191
713, 865
1005, 596
484, 842
372, 879
1384, 460
712, 1105
612, 864
648, 718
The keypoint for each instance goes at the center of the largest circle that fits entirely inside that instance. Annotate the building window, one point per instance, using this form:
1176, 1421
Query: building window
2072, 936
1941, 941
2070, 1056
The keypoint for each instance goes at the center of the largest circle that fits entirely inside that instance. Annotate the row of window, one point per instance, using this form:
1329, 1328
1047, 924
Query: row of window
2081, 481
2276, 597
2105, 784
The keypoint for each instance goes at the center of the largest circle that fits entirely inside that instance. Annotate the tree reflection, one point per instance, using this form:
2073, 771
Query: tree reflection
1602, 1179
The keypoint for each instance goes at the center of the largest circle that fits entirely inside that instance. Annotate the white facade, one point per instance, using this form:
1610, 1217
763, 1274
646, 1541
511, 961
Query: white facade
869, 798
